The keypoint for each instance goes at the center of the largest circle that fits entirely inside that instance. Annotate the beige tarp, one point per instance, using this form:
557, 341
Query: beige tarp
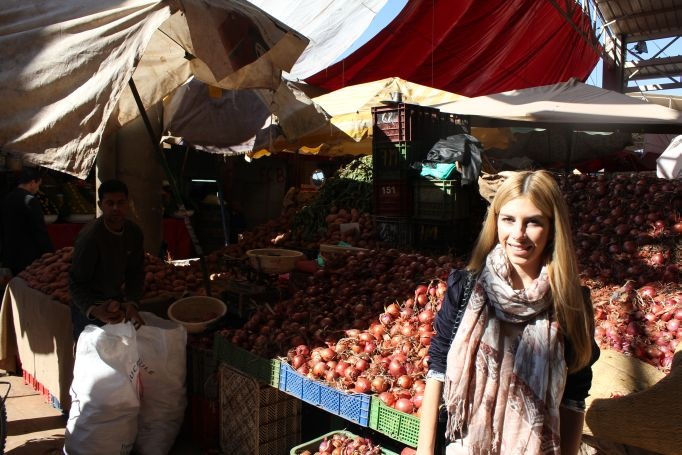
66, 65
237, 121
569, 104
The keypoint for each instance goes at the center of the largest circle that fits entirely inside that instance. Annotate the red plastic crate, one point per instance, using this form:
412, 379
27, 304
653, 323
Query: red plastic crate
405, 122
42, 390
393, 198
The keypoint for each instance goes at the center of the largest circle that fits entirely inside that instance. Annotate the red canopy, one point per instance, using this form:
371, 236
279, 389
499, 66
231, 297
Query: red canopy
473, 47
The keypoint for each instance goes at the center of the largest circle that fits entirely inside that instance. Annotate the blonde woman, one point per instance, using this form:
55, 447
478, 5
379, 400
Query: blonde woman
511, 359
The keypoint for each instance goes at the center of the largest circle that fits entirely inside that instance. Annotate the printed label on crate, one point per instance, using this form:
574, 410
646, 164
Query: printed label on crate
391, 119
392, 198
390, 191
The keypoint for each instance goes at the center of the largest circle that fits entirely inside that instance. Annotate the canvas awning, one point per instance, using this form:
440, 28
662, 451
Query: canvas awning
66, 65
570, 105
235, 122
349, 131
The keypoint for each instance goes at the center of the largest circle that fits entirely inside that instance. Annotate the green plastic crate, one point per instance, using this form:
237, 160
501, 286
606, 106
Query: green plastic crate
391, 422
393, 160
313, 445
440, 200
265, 370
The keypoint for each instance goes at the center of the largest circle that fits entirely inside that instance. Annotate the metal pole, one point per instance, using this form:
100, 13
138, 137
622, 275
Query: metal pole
173, 185
221, 200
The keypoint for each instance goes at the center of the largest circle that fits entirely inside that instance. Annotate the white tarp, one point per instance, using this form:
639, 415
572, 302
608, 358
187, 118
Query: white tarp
570, 103
65, 64
330, 25
669, 164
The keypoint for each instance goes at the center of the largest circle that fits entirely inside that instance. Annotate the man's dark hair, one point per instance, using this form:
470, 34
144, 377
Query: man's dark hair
111, 186
28, 174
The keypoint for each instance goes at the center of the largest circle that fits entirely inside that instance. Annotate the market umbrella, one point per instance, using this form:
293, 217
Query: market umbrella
66, 65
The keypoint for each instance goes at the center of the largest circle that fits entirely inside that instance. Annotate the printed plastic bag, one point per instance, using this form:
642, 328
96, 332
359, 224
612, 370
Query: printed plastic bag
104, 392
459, 148
162, 347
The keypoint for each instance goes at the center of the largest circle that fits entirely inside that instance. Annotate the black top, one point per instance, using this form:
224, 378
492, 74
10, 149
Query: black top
24, 233
577, 384
107, 265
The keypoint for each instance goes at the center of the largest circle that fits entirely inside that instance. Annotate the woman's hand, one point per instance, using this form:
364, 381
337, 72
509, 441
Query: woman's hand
428, 420
571, 424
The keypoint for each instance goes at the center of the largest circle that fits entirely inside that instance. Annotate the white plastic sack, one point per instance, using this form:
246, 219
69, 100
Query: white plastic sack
104, 392
162, 347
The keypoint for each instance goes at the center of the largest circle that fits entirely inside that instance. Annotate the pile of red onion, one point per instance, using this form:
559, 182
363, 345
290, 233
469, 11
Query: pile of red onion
347, 294
389, 358
342, 444
627, 233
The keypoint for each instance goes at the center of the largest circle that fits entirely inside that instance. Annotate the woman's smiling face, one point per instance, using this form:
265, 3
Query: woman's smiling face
523, 231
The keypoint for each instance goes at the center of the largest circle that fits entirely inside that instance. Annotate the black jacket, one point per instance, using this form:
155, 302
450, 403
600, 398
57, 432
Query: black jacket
24, 233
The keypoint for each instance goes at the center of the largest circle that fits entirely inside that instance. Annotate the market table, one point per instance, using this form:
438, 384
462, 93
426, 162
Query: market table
37, 329
178, 241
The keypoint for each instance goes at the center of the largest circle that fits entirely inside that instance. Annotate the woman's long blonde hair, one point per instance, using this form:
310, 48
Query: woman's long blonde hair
574, 313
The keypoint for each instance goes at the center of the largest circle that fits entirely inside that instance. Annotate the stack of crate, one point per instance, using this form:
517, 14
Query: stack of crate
402, 134
442, 206
255, 417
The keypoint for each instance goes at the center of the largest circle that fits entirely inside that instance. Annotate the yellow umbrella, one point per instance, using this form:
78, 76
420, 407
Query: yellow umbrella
349, 131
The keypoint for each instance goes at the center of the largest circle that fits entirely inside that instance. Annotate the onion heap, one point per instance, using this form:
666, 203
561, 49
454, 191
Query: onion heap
341, 444
348, 293
643, 323
389, 358
627, 234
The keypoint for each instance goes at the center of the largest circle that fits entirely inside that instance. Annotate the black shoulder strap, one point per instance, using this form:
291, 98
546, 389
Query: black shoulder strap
463, 300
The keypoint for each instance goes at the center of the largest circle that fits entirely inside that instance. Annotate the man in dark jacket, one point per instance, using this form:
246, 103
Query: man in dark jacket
107, 271
24, 233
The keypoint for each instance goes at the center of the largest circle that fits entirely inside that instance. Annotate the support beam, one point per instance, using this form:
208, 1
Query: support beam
653, 87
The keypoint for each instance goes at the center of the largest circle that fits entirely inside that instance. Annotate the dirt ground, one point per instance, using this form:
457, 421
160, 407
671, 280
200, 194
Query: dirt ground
34, 427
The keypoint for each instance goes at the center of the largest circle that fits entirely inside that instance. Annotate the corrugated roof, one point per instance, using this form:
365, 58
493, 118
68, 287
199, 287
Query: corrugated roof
632, 21
642, 20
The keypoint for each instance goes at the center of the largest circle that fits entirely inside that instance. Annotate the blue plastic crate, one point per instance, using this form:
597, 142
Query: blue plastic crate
350, 406
290, 382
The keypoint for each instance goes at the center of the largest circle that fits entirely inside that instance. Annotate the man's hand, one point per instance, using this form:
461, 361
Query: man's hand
109, 312
131, 314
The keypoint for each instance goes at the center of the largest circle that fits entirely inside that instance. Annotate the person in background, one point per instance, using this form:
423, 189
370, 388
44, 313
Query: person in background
106, 279
514, 343
24, 233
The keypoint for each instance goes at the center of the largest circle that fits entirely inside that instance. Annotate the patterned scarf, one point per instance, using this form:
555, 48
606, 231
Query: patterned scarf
505, 369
